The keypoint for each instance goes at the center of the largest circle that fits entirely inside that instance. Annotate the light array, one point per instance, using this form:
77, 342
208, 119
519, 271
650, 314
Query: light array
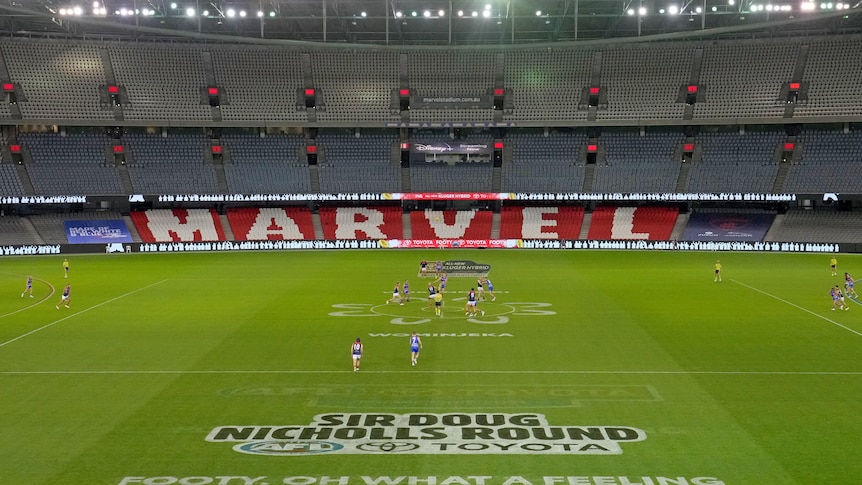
100, 10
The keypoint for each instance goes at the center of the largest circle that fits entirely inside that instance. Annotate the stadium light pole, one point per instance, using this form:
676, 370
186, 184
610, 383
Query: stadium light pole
324, 20
386, 19
576, 19
450, 22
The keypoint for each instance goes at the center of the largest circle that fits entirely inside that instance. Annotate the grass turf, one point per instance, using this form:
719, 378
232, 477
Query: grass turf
751, 381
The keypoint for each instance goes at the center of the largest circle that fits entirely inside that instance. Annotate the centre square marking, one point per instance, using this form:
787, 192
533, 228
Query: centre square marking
453, 309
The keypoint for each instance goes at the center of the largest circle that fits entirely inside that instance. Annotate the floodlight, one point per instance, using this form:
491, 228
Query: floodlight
538, 13
441, 13
242, 13
205, 13
272, 14
62, 11
642, 11
630, 11
260, 13
698, 10
487, 6
413, 14
460, 13
363, 14
80, 11
95, 4
190, 12
398, 14
673, 10
475, 13
230, 12
661, 10
486, 13
715, 9
173, 4
731, 2
426, 14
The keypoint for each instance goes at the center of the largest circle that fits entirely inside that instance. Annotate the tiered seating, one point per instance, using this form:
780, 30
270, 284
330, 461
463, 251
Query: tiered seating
831, 162
261, 224
178, 225
363, 164
73, 164
52, 229
546, 84
384, 222
451, 73
10, 184
744, 79
638, 164
59, 80
819, 226
451, 224
268, 165
163, 82
652, 223
260, 83
349, 92
643, 82
834, 73
170, 165
544, 164
733, 162
562, 222
14, 230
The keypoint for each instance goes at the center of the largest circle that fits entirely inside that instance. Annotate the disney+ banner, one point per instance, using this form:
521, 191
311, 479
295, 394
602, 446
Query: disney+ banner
723, 226
97, 232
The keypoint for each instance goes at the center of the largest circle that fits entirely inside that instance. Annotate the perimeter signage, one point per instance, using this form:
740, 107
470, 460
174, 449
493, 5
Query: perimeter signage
427, 434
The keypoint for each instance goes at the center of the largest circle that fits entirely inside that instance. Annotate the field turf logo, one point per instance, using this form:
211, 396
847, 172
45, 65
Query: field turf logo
427, 434
460, 267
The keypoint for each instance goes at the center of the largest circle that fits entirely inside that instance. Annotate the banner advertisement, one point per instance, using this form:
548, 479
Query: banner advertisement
717, 226
454, 147
451, 102
97, 232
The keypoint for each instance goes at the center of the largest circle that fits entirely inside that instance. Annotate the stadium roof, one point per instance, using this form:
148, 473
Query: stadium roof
403, 23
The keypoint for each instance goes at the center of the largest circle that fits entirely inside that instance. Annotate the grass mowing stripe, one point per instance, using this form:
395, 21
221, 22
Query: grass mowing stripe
537, 372
85, 310
833, 322
43, 300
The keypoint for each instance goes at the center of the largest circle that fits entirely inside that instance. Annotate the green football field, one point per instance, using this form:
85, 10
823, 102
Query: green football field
598, 368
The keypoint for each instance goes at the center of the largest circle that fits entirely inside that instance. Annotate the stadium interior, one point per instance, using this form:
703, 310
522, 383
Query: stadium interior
122, 103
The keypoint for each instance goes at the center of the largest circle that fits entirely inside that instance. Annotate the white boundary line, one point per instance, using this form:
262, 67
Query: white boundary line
833, 322
501, 372
43, 300
31, 332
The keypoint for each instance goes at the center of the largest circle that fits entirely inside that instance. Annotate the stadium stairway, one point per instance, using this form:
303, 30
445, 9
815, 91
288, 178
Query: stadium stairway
318, 226
585, 225
31, 229
133, 229
774, 228
225, 224
406, 228
495, 225
679, 226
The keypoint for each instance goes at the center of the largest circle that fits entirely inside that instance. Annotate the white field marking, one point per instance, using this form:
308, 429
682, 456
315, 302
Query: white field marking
854, 300
31, 332
833, 322
36, 303
501, 372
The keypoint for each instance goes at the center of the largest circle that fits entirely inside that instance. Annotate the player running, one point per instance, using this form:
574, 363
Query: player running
356, 353
471, 309
396, 294
490, 289
66, 298
406, 291
838, 299
29, 287
480, 287
442, 279
849, 284
423, 268
415, 346
439, 268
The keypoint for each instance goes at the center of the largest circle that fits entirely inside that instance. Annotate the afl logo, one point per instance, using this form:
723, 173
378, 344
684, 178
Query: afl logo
287, 448
387, 447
